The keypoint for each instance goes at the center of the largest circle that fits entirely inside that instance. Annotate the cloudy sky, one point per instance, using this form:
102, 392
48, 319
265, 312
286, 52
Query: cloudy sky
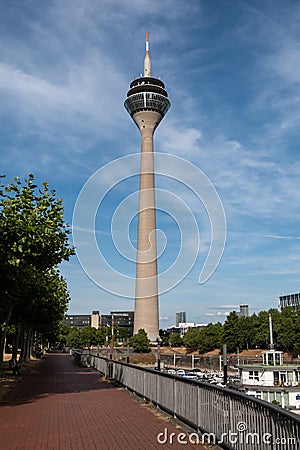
232, 72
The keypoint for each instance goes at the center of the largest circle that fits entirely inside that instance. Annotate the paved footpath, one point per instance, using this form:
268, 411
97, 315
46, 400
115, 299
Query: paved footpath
63, 407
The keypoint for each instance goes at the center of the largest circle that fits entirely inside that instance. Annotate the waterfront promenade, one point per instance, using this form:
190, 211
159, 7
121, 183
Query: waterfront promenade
64, 407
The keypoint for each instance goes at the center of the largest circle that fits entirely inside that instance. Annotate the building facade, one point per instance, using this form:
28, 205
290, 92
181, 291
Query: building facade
289, 300
273, 380
244, 310
180, 318
124, 319
95, 319
184, 327
77, 320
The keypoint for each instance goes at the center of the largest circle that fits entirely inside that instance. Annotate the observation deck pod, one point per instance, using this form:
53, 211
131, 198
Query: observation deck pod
147, 94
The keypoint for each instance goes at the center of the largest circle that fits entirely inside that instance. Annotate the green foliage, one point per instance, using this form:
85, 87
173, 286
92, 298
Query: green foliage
164, 337
91, 336
288, 332
33, 241
73, 339
122, 333
140, 342
175, 340
210, 337
191, 339
231, 332
84, 337
249, 332
245, 332
47, 305
32, 229
261, 329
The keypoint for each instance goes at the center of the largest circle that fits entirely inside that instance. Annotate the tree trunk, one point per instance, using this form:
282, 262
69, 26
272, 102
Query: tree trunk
29, 335
16, 342
26, 341
22, 341
4, 326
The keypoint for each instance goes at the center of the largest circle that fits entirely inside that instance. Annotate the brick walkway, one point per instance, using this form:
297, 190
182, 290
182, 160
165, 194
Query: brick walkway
63, 407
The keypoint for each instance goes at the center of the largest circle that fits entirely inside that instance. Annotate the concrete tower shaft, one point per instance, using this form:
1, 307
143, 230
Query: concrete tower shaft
146, 290
147, 103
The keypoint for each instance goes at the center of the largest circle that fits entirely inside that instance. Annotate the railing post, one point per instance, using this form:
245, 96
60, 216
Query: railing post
175, 396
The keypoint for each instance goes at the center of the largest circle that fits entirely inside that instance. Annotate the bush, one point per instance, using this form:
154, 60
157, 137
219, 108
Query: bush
140, 342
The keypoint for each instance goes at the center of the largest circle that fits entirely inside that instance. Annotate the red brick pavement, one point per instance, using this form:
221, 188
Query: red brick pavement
63, 407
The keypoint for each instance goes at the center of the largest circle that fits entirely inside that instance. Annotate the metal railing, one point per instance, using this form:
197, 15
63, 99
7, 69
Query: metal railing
225, 417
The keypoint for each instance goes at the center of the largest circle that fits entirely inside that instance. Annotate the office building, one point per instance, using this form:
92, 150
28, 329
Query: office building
180, 318
289, 300
244, 310
77, 320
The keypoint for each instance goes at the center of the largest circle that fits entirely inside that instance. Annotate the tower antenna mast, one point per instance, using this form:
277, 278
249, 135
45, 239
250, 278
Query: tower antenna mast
147, 62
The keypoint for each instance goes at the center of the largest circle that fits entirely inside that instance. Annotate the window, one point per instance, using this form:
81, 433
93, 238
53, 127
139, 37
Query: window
253, 375
147, 101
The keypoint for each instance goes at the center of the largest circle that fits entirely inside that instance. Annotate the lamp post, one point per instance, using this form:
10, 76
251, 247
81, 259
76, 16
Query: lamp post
112, 343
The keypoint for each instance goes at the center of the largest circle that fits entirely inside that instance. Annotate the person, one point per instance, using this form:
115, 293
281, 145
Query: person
12, 362
15, 366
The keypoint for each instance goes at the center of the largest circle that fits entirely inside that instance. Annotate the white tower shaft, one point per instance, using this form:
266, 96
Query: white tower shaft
146, 292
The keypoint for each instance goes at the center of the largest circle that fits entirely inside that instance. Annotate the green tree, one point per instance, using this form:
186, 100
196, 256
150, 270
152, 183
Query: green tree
122, 334
44, 311
89, 336
140, 342
73, 339
191, 339
210, 337
33, 239
63, 331
175, 340
100, 336
231, 335
164, 337
296, 345
262, 333
288, 329
246, 333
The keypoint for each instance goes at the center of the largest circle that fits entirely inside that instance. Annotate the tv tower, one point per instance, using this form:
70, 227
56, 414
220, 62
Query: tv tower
147, 103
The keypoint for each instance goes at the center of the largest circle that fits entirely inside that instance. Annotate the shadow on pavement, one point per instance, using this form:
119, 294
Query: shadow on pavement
57, 374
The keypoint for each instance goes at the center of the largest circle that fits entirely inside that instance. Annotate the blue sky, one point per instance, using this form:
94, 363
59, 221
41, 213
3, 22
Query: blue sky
232, 72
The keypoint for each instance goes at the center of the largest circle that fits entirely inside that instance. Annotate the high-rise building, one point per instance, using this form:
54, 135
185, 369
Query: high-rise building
244, 310
147, 103
180, 318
